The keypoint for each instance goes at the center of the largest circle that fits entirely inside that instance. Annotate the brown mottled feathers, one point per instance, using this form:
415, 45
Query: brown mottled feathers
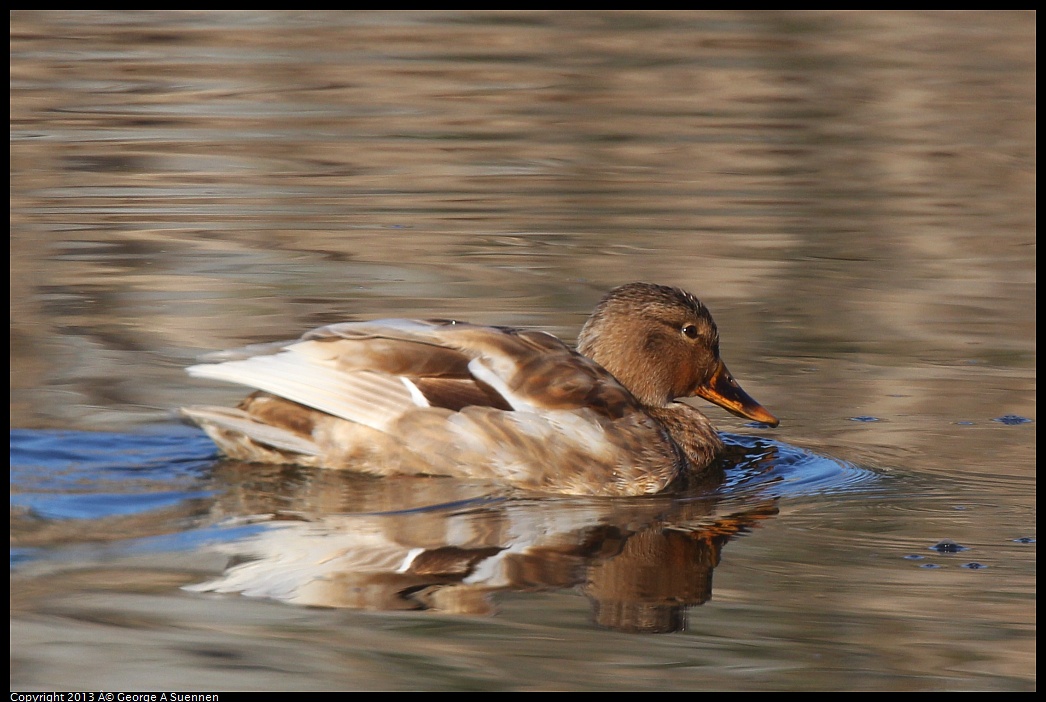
517, 407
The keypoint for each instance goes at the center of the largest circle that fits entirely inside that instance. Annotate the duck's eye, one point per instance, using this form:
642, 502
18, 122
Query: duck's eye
690, 331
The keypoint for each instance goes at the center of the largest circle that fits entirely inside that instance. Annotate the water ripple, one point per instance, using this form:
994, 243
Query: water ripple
776, 469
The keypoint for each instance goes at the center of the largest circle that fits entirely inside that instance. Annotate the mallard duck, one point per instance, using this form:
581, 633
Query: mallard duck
516, 407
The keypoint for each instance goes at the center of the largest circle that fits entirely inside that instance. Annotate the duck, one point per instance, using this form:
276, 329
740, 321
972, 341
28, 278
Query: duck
517, 407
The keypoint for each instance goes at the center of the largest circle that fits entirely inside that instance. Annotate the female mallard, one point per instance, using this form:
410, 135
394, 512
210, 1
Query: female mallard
438, 397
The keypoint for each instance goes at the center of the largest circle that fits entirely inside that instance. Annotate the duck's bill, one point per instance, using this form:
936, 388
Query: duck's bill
721, 389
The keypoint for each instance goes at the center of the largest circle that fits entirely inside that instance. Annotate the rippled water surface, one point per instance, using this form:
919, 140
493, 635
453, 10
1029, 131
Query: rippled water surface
851, 194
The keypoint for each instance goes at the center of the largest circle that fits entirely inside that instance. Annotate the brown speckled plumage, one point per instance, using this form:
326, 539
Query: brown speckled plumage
511, 406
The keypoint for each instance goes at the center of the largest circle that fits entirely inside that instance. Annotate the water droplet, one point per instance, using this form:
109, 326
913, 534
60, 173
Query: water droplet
948, 546
1011, 419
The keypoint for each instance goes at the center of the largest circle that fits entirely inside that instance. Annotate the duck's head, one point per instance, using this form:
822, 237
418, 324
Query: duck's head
661, 343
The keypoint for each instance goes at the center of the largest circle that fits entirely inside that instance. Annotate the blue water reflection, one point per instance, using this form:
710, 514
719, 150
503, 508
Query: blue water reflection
164, 474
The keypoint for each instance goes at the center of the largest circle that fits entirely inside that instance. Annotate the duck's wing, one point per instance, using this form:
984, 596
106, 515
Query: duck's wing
445, 398
371, 373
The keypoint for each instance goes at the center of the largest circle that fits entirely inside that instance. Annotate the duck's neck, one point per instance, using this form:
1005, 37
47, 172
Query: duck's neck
649, 385
691, 431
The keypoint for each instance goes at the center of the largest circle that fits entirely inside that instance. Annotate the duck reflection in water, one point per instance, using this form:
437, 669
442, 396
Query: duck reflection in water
334, 539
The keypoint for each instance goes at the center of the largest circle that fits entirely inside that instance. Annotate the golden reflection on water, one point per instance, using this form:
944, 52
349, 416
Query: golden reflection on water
852, 194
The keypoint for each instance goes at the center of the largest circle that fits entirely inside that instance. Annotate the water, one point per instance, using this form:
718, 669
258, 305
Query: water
852, 195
